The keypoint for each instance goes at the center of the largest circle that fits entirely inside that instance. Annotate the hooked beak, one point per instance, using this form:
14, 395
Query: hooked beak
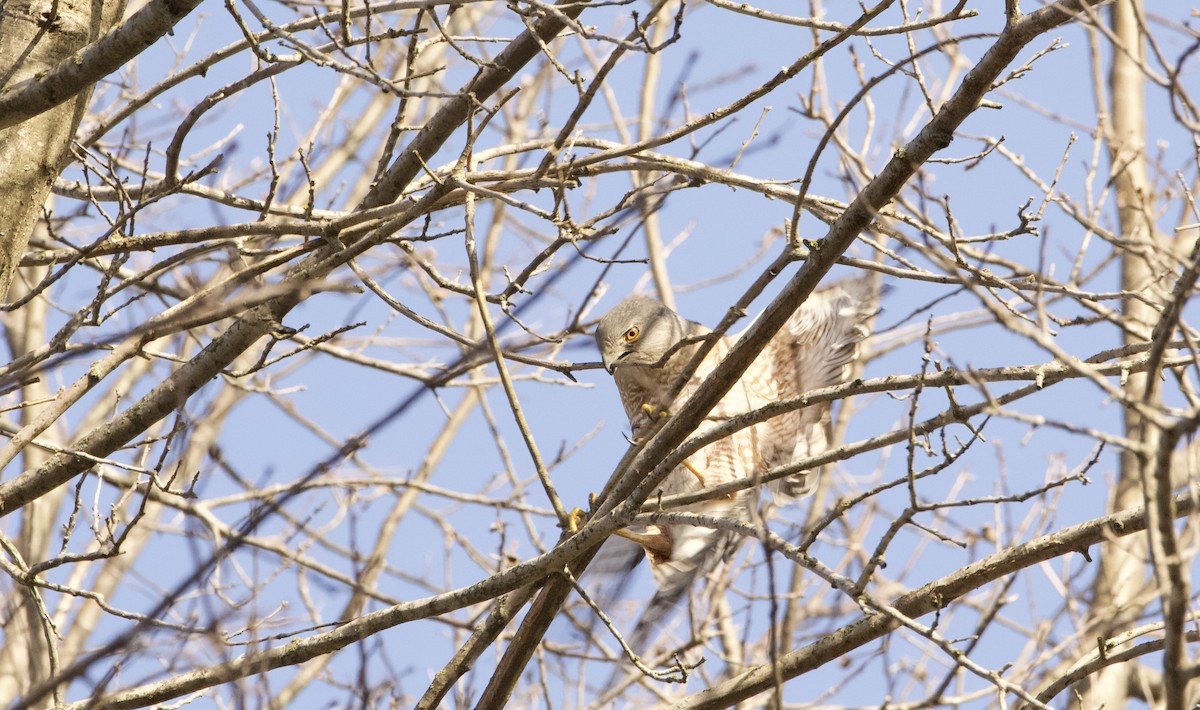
610, 360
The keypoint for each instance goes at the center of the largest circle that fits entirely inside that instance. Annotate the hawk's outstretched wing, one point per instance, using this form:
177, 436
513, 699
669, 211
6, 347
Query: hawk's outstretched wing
814, 349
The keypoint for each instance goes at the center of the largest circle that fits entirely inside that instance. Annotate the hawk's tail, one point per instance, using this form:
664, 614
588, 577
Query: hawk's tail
696, 552
672, 586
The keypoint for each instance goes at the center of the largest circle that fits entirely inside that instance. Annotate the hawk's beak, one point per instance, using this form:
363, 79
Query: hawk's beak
610, 359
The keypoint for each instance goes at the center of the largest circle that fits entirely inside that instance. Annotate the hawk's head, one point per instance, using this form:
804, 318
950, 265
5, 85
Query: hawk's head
638, 331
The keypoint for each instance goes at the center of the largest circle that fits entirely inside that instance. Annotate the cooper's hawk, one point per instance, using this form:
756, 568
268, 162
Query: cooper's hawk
640, 345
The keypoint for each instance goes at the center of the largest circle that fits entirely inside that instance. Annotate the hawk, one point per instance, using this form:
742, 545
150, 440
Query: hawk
646, 346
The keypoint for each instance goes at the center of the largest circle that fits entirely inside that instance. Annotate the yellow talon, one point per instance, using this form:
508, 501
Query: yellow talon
575, 519
653, 411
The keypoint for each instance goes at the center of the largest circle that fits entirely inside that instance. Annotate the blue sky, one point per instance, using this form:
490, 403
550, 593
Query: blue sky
721, 233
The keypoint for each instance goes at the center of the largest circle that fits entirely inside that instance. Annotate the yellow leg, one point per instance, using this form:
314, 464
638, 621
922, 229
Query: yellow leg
700, 476
694, 471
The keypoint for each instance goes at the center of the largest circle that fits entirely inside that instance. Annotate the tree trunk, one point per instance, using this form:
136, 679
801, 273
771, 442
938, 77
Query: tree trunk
1121, 585
34, 37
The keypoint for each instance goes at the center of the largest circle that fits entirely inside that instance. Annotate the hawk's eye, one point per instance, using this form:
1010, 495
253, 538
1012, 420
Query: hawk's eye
632, 334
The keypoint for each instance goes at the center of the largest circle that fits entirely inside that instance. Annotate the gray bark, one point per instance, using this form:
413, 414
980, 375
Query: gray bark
34, 37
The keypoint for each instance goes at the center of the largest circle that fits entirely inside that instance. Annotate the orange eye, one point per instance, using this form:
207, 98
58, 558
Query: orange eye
632, 334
